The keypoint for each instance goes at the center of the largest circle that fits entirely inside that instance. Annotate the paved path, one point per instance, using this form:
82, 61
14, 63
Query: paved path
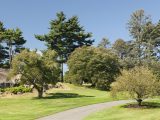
81, 112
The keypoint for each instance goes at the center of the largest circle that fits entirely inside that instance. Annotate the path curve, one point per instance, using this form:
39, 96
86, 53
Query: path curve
81, 112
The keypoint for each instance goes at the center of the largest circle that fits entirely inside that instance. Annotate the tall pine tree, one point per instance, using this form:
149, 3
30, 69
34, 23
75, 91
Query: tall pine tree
12, 39
65, 35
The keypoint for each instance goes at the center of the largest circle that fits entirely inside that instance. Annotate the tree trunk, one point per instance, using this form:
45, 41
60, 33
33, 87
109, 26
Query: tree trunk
93, 85
61, 65
10, 54
62, 72
40, 92
139, 102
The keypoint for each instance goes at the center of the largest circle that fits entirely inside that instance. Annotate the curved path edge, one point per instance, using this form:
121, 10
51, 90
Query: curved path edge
81, 112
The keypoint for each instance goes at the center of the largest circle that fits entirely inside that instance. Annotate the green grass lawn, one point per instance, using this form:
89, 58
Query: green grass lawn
29, 108
121, 113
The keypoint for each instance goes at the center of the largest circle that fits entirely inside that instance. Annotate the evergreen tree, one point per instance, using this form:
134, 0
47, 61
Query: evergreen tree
65, 36
14, 41
3, 52
104, 43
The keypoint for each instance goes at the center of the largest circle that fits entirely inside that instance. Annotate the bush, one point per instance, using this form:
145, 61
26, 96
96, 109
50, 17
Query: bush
139, 82
15, 90
2, 90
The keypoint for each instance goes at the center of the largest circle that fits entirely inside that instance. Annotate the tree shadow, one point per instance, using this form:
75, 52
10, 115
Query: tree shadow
145, 105
63, 95
94, 88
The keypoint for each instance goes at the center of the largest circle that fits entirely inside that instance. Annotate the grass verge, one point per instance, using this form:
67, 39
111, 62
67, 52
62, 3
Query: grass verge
151, 112
28, 107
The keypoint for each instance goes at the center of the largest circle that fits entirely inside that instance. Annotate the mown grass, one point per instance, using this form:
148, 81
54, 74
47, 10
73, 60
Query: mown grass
152, 112
28, 107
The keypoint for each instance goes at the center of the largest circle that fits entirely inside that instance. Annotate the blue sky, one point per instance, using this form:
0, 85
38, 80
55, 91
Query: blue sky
104, 18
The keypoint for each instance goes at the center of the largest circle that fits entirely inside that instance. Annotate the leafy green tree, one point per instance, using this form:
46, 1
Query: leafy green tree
145, 43
98, 66
123, 49
155, 67
37, 70
120, 48
137, 23
65, 36
139, 82
156, 35
151, 40
78, 64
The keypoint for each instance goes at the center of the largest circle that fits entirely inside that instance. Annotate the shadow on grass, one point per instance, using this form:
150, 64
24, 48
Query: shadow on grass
94, 88
62, 95
145, 105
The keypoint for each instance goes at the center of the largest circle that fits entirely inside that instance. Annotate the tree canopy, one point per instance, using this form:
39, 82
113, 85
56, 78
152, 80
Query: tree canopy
104, 43
145, 36
139, 82
98, 66
12, 41
35, 69
65, 35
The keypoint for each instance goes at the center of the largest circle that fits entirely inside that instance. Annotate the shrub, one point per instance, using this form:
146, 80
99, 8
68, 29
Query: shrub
139, 82
15, 90
1, 90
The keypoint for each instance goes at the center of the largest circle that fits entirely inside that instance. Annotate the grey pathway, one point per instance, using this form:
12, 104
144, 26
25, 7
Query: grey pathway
81, 112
